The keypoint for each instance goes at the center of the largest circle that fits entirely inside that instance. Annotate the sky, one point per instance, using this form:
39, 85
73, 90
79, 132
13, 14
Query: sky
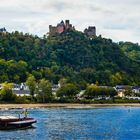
115, 19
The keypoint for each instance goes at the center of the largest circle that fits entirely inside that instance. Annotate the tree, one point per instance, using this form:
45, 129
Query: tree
68, 90
31, 82
93, 91
63, 82
6, 93
37, 74
128, 91
116, 78
44, 91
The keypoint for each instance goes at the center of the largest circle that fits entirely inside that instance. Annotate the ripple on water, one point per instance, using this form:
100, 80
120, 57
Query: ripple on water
78, 123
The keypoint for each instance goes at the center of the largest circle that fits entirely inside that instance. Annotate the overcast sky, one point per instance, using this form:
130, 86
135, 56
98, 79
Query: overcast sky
115, 19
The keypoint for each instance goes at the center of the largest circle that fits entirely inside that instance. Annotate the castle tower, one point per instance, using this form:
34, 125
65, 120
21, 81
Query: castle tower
60, 27
52, 30
67, 24
91, 31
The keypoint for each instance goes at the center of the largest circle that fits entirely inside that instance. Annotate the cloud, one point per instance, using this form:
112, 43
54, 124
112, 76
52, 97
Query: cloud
119, 20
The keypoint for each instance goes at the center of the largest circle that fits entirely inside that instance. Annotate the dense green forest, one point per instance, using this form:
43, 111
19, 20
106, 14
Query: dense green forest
131, 50
70, 55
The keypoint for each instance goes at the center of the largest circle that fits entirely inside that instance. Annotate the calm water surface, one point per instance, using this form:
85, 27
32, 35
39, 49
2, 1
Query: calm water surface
115, 123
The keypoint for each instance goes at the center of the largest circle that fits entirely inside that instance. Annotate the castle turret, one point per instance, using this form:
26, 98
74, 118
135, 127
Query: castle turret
52, 30
60, 27
67, 24
91, 31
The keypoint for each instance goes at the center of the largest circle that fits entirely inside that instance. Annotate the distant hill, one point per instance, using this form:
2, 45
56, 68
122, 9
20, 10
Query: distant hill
70, 54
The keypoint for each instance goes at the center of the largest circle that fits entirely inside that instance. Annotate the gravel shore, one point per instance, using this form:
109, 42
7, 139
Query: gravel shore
12, 106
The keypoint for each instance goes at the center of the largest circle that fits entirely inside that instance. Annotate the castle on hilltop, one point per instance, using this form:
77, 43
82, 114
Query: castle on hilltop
61, 27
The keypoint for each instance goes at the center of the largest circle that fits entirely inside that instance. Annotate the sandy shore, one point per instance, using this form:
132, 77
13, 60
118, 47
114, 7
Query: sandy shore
12, 106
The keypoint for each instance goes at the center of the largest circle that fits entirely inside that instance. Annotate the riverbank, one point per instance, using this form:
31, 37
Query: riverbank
12, 106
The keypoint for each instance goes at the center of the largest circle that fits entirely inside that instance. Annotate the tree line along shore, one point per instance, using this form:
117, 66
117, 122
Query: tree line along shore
42, 92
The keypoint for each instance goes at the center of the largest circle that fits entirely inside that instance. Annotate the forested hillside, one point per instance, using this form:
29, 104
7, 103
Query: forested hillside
132, 50
70, 55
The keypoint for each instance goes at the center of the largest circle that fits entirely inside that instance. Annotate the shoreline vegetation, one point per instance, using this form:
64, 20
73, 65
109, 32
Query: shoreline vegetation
65, 105
67, 94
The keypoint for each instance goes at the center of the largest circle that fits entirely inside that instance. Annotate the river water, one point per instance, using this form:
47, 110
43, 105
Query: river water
115, 123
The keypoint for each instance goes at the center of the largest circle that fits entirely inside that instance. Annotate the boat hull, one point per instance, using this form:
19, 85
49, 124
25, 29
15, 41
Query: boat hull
21, 123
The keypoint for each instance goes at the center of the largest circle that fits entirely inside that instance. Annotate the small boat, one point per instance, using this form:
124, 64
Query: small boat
12, 122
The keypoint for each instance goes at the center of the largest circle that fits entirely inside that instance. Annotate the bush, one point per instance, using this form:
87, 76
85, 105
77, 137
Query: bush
21, 100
